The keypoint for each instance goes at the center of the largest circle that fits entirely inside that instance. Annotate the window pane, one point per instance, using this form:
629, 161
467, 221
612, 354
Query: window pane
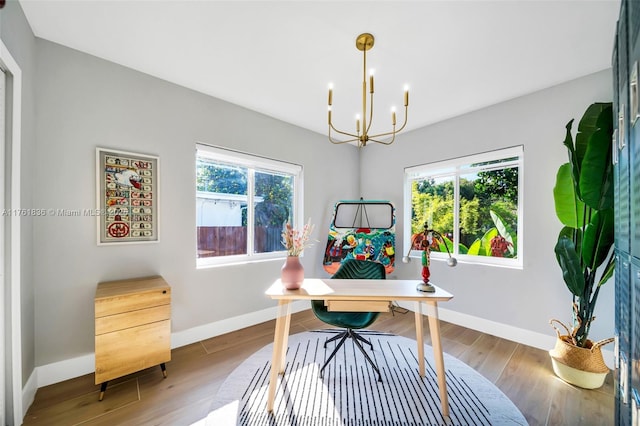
432, 203
473, 202
221, 206
273, 209
489, 213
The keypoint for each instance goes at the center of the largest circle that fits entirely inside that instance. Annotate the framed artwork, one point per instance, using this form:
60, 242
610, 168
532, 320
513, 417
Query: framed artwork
127, 197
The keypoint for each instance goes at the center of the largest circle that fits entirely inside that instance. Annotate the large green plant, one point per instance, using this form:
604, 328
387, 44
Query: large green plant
584, 204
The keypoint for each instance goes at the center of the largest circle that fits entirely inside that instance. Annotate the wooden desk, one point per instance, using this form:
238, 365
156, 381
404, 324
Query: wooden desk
354, 293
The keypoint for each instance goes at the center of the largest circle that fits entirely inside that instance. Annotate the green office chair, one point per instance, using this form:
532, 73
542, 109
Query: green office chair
350, 321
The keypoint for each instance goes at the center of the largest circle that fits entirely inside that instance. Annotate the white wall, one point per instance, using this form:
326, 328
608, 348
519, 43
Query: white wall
84, 102
525, 298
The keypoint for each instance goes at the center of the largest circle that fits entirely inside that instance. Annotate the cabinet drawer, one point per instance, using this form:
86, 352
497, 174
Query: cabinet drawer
125, 320
133, 349
131, 302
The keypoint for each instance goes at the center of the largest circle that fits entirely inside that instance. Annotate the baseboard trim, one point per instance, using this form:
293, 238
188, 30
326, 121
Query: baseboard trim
63, 370
29, 392
505, 331
56, 372
207, 331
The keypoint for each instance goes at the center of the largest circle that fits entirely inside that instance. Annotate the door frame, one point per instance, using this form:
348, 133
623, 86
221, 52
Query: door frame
11, 261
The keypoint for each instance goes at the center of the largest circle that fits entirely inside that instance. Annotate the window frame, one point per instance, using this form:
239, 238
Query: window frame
456, 167
253, 163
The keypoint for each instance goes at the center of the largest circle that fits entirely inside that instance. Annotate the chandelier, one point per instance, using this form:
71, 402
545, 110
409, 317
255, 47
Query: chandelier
364, 42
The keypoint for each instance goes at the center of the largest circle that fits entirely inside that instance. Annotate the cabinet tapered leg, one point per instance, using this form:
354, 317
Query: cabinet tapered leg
163, 367
103, 388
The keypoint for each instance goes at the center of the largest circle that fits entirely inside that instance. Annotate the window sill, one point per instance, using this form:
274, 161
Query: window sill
238, 261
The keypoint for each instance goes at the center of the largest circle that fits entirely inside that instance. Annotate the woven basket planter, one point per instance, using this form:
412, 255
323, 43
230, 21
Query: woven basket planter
583, 367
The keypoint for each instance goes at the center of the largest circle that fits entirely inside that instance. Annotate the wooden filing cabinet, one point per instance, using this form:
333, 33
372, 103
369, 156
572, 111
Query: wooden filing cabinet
132, 327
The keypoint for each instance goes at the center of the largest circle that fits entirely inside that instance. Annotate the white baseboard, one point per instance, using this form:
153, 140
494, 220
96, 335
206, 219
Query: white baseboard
203, 332
63, 370
56, 372
505, 331
29, 393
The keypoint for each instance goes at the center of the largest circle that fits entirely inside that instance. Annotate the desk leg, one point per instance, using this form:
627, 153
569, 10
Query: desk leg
279, 349
434, 328
420, 338
285, 338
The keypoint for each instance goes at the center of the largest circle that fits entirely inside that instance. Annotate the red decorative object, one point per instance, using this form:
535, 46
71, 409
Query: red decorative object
426, 260
424, 241
292, 274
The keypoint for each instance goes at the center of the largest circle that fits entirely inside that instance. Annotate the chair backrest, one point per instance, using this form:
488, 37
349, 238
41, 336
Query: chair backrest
360, 269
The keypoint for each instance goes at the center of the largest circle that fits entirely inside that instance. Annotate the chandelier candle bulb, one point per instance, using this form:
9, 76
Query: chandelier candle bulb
406, 96
393, 117
330, 95
371, 81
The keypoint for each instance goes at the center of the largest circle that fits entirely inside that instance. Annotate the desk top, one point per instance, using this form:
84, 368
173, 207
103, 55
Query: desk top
348, 289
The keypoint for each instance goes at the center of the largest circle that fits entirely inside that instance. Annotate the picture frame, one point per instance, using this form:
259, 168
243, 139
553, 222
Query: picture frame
127, 197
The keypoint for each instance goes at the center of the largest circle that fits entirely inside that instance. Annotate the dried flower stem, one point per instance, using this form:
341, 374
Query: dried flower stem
296, 241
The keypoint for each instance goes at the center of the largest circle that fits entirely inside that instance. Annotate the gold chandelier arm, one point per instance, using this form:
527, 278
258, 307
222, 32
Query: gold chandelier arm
389, 142
375, 138
406, 115
341, 132
393, 132
338, 142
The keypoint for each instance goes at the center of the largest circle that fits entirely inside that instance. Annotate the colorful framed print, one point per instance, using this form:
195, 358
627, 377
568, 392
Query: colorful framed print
127, 197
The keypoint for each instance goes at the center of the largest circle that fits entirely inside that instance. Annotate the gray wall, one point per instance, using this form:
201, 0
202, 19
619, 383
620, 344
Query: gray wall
17, 36
525, 298
84, 102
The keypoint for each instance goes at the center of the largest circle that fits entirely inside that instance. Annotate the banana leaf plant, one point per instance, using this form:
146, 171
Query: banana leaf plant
583, 196
488, 246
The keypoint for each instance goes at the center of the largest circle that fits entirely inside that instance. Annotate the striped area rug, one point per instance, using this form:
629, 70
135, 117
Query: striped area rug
349, 394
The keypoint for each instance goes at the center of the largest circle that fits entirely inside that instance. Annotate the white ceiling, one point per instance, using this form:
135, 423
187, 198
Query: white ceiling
277, 57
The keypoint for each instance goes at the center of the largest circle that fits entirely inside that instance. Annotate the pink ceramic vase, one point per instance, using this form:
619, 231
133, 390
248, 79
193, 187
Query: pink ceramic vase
292, 273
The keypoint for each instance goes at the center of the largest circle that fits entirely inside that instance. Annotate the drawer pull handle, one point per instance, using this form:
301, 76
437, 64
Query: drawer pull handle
164, 291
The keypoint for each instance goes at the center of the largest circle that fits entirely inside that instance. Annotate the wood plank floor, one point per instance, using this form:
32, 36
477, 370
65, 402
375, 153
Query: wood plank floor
197, 371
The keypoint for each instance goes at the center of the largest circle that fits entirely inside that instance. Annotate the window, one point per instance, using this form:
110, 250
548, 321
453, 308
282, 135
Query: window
474, 202
242, 205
